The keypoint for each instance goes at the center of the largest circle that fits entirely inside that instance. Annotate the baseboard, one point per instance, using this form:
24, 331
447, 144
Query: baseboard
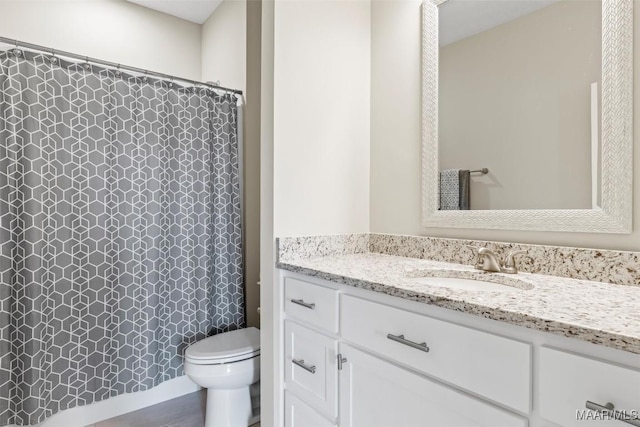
85, 415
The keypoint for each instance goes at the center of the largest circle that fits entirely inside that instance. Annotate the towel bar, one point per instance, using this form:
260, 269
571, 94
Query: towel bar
483, 171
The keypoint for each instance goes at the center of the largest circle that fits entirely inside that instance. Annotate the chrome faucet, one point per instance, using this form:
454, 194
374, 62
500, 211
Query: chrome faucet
490, 261
487, 260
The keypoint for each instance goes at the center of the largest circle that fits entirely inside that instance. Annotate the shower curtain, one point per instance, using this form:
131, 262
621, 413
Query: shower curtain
120, 231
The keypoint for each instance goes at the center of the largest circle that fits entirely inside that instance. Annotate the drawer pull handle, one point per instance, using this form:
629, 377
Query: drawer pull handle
309, 305
609, 409
402, 340
307, 368
341, 361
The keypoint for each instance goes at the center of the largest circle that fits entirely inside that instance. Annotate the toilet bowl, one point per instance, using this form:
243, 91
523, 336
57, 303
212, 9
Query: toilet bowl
226, 365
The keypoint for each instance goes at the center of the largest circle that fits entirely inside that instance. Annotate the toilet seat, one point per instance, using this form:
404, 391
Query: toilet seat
222, 361
228, 347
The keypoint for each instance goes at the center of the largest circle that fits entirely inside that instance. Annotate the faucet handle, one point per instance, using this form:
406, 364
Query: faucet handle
510, 262
476, 251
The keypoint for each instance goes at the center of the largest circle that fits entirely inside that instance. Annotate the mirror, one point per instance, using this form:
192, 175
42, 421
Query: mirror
523, 77
526, 114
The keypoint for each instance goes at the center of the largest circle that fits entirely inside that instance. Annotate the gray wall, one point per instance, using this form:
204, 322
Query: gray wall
517, 99
231, 54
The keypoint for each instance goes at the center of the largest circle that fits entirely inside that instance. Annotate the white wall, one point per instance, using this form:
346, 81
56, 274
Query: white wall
395, 116
315, 143
321, 116
271, 404
396, 141
224, 45
113, 30
229, 45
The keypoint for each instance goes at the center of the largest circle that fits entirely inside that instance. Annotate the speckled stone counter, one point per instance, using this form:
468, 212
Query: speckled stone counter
600, 313
618, 267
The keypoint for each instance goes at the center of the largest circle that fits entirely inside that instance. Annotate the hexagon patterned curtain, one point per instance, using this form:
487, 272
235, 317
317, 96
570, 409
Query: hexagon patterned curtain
120, 231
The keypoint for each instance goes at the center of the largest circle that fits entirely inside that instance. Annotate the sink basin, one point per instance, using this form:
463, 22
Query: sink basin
467, 280
466, 284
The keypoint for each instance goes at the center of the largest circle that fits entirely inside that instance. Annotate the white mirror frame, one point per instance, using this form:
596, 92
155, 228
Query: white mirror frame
615, 213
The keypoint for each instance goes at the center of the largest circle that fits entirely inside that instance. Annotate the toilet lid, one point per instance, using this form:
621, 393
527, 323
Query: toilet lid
226, 345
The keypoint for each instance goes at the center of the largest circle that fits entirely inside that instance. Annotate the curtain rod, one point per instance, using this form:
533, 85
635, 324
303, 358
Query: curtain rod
54, 52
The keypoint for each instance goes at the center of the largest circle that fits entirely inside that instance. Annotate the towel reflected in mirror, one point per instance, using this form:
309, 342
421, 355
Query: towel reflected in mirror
455, 189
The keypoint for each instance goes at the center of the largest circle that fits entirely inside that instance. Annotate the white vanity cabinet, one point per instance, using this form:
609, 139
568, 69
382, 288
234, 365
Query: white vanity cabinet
357, 358
375, 392
299, 414
310, 354
310, 367
312, 304
489, 365
568, 381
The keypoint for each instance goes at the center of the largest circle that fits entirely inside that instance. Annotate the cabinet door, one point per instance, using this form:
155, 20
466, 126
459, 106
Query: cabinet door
299, 414
568, 381
310, 367
374, 392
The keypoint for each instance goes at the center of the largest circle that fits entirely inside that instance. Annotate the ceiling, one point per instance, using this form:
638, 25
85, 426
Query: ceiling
197, 11
459, 19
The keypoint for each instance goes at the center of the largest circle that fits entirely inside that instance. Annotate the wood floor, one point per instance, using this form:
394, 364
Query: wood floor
185, 411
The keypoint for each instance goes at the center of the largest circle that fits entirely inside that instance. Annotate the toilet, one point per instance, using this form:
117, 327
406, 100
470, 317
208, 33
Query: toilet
226, 365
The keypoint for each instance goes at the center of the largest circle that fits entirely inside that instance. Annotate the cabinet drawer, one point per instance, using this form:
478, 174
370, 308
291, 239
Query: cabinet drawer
299, 414
311, 303
568, 381
310, 367
494, 367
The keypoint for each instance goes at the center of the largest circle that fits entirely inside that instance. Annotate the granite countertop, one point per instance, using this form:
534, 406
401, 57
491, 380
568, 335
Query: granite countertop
596, 312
